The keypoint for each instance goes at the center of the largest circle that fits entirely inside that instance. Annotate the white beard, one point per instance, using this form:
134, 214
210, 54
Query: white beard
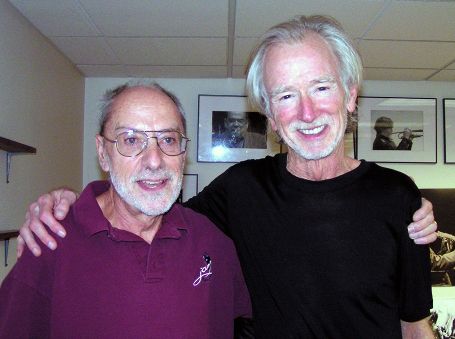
307, 153
151, 204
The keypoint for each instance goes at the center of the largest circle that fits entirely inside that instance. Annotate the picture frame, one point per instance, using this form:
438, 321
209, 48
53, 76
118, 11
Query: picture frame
221, 139
442, 250
448, 105
384, 122
189, 187
442, 314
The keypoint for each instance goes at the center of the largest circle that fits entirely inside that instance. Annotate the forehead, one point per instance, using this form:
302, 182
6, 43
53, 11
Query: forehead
144, 108
310, 59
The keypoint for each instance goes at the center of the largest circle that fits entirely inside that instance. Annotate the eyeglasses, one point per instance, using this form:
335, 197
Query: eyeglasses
132, 143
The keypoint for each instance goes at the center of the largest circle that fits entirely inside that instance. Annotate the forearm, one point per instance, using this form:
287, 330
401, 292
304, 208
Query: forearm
420, 329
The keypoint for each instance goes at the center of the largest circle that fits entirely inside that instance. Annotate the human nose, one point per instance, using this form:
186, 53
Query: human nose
152, 156
306, 108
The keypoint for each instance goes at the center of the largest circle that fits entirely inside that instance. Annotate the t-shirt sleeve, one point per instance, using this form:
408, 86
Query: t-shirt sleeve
415, 273
212, 202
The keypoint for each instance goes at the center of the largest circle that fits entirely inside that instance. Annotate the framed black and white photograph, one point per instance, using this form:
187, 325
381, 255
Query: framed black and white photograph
443, 314
449, 130
189, 187
442, 251
401, 130
349, 145
230, 131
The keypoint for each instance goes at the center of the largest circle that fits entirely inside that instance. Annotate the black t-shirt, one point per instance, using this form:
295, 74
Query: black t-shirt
323, 259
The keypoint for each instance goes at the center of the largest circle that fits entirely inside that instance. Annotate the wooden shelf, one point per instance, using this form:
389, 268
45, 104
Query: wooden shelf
6, 235
11, 146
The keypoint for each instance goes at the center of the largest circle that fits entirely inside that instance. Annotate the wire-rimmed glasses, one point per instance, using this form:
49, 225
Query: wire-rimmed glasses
132, 142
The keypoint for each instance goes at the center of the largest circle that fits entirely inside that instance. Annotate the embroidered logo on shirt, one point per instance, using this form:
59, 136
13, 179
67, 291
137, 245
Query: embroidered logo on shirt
205, 271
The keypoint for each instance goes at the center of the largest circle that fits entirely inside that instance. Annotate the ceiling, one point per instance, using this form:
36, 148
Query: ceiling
398, 39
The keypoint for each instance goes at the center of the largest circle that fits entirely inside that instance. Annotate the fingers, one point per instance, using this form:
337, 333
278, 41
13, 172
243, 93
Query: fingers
425, 211
425, 236
20, 246
40, 213
63, 200
426, 240
34, 227
26, 236
44, 214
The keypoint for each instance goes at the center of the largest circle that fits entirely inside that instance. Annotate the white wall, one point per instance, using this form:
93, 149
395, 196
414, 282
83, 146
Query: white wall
437, 175
41, 105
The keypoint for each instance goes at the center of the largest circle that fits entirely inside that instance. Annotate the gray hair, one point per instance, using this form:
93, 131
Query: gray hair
294, 31
109, 97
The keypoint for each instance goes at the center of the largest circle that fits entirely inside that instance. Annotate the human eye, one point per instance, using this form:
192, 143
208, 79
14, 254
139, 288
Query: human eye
283, 97
130, 139
322, 88
169, 139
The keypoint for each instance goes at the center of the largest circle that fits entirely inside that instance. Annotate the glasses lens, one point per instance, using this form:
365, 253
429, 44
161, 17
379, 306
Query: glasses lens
171, 142
131, 143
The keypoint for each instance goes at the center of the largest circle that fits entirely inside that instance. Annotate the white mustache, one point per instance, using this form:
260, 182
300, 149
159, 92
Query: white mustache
152, 175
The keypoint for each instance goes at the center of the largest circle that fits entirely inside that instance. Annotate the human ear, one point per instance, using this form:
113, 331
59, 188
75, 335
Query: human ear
272, 124
101, 151
351, 104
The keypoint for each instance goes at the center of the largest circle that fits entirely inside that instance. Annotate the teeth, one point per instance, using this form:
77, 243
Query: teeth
152, 183
312, 131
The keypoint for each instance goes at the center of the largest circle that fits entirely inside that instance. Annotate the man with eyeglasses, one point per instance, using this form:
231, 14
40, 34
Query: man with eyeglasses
134, 263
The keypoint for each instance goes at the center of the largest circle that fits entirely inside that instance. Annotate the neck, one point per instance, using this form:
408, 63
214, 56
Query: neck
125, 217
332, 166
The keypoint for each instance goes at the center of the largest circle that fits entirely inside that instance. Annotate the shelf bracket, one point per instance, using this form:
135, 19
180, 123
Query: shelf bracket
8, 165
5, 236
6, 241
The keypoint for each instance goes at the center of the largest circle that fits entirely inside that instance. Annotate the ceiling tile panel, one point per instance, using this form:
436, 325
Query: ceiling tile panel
181, 38
158, 18
86, 50
57, 18
406, 54
254, 17
397, 74
242, 49
170, 51
104, 71
238, 71
177, 71
416, 20
445, 75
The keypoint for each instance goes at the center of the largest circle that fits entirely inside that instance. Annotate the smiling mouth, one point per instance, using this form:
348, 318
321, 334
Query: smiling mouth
152, 183
312, 131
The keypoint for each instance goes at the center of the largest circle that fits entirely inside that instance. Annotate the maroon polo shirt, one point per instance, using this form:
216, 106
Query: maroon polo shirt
103, 282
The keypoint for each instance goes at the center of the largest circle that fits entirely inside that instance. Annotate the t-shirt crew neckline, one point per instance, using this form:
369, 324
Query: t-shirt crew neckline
301, 184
